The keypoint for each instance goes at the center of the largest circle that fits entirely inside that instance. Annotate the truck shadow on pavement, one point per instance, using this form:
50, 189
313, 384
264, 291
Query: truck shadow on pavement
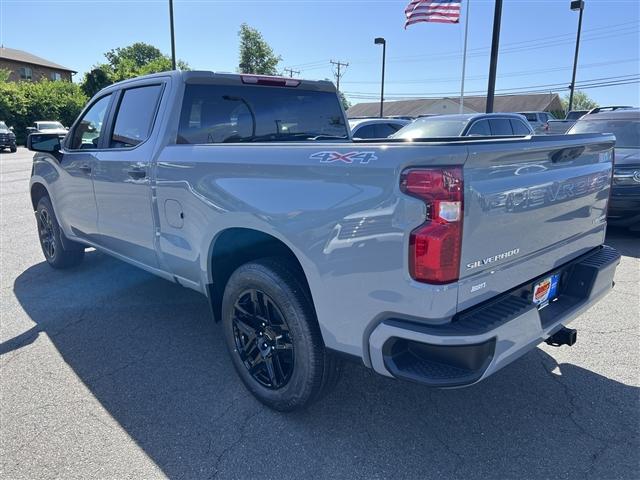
150, 354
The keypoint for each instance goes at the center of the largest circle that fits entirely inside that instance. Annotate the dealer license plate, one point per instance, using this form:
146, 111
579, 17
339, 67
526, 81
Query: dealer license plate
546, 290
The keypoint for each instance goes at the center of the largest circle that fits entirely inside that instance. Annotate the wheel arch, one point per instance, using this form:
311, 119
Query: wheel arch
37, 191
235, 246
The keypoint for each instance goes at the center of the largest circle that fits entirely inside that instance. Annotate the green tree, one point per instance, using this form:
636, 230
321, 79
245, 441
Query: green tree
4, 75
127, 62
581, 101
22, 103
256, 56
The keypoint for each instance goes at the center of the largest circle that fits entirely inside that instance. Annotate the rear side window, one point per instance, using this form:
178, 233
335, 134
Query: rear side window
367, 131
519, 127
134, 119
500, 126
481, 127
383, 130
235, 114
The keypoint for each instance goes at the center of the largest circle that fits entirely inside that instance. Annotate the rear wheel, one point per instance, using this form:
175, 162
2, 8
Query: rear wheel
273, 336
57, 254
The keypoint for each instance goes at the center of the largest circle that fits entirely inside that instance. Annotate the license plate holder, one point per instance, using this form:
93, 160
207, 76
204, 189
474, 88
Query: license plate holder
546, 290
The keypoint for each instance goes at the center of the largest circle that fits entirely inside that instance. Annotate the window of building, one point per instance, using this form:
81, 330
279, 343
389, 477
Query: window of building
55, 76
25, 73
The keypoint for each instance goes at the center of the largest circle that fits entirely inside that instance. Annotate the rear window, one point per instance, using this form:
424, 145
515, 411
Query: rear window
627, 132
235, 114
531, 117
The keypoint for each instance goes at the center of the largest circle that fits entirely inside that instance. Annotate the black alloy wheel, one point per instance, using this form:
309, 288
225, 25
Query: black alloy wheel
262, 339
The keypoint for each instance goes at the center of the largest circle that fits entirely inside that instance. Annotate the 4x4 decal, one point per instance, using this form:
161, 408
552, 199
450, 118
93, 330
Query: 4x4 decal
350, 157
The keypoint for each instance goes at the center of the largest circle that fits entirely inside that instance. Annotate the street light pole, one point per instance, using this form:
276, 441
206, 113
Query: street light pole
383, 42
173, 39
575, 5
493, 66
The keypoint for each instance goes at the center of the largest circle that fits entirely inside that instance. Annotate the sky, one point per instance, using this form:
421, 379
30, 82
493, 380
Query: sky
536, 44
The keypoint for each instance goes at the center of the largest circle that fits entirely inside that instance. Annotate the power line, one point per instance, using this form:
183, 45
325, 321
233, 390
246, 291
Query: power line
339, 64
292, 71
545, 88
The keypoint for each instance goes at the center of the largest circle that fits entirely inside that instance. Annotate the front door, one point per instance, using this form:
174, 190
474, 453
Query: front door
75, 202
122, 176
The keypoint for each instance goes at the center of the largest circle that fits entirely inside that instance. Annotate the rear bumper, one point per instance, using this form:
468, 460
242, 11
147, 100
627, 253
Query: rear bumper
487, 337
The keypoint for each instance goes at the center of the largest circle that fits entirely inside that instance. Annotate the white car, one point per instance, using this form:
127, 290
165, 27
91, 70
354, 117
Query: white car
375, 127
47, 127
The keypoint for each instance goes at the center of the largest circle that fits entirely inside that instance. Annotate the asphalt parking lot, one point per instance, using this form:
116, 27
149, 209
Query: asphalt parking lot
108, 372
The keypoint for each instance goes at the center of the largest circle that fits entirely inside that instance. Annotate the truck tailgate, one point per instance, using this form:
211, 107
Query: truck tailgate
529, 206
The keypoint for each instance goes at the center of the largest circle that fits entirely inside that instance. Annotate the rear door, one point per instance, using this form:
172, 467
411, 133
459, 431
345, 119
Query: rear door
530, 205
122, 176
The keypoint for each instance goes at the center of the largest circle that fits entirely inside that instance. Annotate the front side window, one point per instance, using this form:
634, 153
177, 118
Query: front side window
235, 114
88, 130
26, 73
134, 119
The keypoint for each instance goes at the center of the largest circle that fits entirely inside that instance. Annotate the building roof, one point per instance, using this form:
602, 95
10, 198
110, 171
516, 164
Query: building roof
26, 57
503, 103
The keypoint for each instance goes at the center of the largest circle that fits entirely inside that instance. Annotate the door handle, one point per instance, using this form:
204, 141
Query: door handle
137, 173
85, 169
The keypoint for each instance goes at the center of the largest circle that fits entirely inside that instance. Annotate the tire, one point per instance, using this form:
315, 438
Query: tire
13, 149
58, 254
268, 319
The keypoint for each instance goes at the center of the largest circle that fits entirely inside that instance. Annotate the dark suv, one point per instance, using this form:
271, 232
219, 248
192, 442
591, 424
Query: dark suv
624, 207
7, 138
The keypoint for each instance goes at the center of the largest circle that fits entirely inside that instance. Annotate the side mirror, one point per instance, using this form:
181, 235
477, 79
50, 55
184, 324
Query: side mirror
11, 128
44, 142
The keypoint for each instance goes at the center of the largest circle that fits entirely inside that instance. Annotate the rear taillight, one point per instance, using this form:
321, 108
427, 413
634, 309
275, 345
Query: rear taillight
435, 246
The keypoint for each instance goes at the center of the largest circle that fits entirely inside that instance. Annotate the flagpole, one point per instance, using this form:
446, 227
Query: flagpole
464, 57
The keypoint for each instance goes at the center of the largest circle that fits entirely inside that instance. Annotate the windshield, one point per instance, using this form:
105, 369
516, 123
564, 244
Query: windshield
3, 126
50, 126
233, 114
432, 127
627, 132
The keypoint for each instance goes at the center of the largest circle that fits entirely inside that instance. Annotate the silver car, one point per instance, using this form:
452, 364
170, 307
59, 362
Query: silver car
376, 127
467, 125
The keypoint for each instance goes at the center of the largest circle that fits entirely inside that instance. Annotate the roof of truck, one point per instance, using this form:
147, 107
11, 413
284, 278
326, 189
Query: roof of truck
620, 114
206, 76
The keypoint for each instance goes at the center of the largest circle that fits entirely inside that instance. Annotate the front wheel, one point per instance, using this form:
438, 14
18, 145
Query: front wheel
273, 336
57, 254
13, 149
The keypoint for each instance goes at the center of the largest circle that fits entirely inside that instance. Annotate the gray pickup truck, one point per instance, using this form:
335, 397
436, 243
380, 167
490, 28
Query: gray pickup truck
436, 261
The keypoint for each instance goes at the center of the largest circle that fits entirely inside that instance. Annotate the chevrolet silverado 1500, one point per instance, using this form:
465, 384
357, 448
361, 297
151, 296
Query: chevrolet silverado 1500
438, 261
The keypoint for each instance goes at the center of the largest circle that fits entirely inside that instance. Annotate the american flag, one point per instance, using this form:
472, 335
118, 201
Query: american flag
439, 11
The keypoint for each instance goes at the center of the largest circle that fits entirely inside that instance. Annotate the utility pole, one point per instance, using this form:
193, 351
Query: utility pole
575, 5
383, 42
338, 64
493, 66
292, 71
173, 38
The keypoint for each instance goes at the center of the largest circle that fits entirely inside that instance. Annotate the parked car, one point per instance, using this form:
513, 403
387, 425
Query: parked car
375, 127
624, 206
47, 127
559, 127
7, 138
609, 108
539, 121
310, 246
467, 125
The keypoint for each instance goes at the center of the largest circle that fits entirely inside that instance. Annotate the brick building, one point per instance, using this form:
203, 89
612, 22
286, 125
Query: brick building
27, 67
